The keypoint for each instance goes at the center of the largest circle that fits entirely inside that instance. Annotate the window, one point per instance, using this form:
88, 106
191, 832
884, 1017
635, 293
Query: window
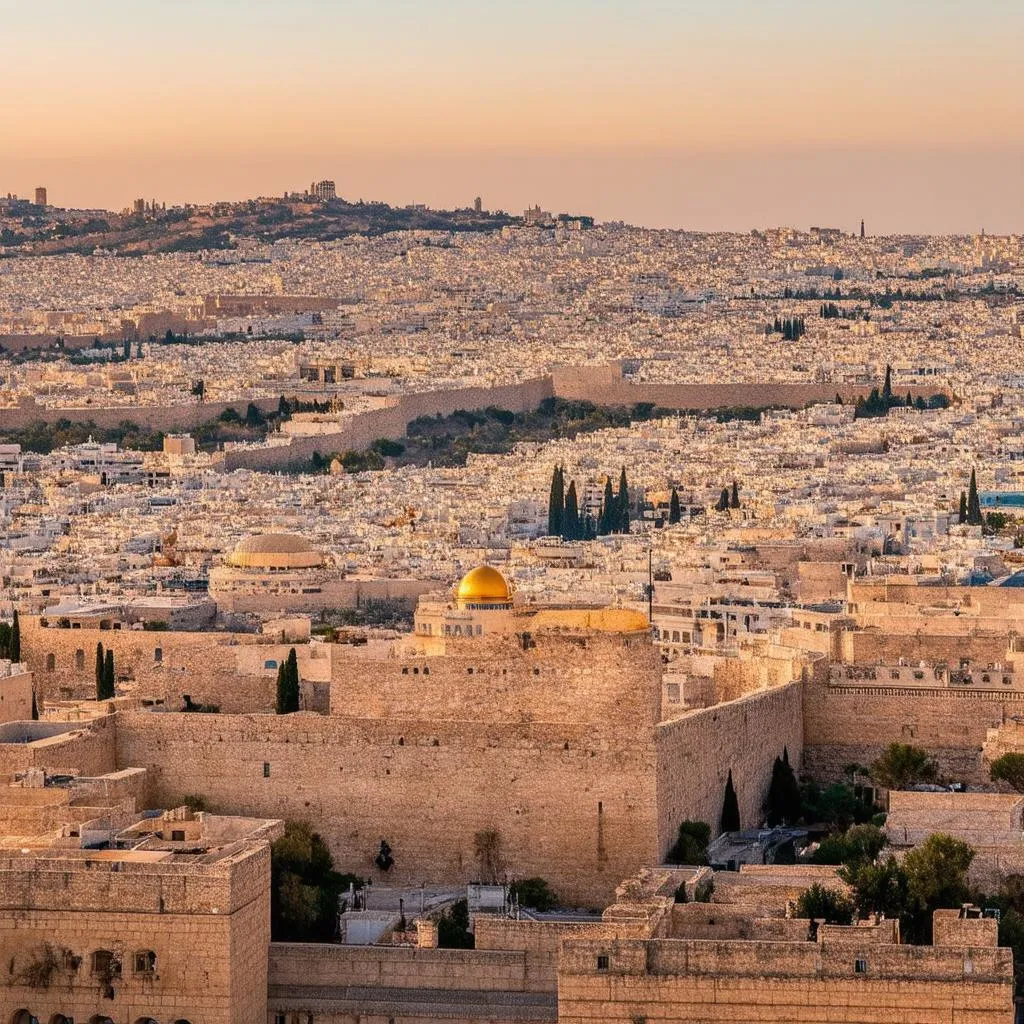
106, 964
51, 662
266, 769
860, 966
177, 835
145, 962
158, 655
602, 962
79, 660
270, 663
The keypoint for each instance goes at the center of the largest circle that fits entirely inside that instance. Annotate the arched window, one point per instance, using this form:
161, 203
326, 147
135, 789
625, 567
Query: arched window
24, 1017
59, 1018
106, 964
51, 662
158, 655
79, 660
99, 1018
270, 663
145, 1020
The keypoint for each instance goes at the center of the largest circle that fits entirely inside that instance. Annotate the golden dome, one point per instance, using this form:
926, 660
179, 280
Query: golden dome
483, 585
275, 551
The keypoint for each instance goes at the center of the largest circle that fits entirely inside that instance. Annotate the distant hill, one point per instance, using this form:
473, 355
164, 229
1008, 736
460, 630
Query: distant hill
218, 226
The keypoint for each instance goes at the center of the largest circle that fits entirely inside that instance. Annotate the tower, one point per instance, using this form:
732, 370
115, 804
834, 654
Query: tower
41, 196
862, 227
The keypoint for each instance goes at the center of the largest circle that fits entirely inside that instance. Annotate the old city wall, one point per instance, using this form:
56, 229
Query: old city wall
572, 803
155, 417
604, 678
888, 644
604, 386
229, 670
539, 942
696, 752
361, 429
304, 964
759, 982
334, 593
852, 724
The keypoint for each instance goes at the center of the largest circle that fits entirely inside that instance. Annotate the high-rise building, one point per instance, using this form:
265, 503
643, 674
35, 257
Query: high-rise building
41, 196
324, 191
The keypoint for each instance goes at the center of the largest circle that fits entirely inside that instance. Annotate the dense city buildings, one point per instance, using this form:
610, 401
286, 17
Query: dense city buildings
527, 619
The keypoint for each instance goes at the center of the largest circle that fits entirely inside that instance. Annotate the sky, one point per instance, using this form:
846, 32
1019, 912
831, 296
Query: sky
725, 114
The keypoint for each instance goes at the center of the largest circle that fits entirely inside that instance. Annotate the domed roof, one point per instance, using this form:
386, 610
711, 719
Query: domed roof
275, 551
483, 585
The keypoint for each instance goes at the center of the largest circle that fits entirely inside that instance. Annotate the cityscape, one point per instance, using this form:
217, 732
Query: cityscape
514, 600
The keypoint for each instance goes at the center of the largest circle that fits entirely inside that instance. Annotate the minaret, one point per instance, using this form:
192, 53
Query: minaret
862, 227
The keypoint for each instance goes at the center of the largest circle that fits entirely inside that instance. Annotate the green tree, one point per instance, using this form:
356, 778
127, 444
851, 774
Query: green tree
15, 652
534, 893
556, 503
973, 501
674, 512
783, 804
887, 386
607, 523
936, 878
730, 821
622, 504
35, 706
1009, 768
877, 888
902, 765
453, 927
288, 685
734, 497
305, 888
108, 676
822, 904
99, 671
962, 518
723, 500
691, 845
858, 845
571, 518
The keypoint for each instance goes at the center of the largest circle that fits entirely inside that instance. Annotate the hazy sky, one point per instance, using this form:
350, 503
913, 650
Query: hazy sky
725, 113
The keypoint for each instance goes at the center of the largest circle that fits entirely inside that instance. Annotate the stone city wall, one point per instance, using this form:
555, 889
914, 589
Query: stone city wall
767, 982
603, 678
853, 724
572, 803
696, 752
86, 749
168, 418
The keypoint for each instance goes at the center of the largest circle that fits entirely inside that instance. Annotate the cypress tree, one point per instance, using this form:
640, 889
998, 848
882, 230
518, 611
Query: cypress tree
730, 808
556, 503
910, 400
99, 671
973, 502
571, 519
35, 706
108, 676
293, 681
962, 518
281, 706
607, 524
623, 503
723, 500
887, 386
15, 638
674, 513
734, 499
